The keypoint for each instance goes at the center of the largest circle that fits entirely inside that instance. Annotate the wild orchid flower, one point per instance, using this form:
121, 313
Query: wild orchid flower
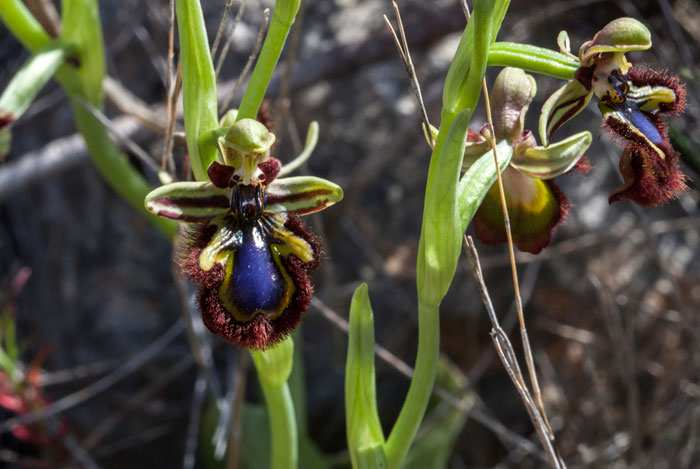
535, 203
247, 252
633, 101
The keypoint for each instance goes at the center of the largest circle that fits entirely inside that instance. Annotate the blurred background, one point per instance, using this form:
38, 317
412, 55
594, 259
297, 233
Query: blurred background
612, 307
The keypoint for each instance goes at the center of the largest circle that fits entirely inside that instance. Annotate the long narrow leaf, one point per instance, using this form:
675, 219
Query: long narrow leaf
281, 22
441, 236
198, 86
364, 431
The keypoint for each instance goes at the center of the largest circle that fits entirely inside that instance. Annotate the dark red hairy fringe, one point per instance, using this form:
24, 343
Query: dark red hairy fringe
648, 180
260, 333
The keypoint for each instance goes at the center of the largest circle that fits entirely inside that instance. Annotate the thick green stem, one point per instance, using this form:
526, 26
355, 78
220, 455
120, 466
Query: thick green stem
532, 59
283, 430
22, 24
115, 168
280, 24
421, 388
111, 163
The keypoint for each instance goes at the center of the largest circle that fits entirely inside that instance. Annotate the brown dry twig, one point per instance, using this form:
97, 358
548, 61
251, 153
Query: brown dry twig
405, 54
505, 351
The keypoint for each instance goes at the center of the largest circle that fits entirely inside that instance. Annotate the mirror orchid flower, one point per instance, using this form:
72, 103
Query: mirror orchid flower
634, 101
247, 251
535, 203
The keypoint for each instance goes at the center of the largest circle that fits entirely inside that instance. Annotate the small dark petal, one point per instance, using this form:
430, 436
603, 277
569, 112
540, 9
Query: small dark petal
644, 76
270, 168
474, 136
584, 75
220, 174
6, 118
649, 180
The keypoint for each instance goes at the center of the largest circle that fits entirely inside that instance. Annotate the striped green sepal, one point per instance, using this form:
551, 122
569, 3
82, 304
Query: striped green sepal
300, 195
554, 160
193, 202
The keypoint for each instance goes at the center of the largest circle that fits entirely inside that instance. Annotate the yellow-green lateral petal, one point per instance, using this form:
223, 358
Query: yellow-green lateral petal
194, 202
301, 195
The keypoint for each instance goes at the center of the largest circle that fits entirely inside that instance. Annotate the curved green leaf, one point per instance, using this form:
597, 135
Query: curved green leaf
364, 430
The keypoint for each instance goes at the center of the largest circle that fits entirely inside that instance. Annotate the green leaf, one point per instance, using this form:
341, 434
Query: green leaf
441, 237
364, 430
81, 28
281, 22
477, 181
198, 86
301, 195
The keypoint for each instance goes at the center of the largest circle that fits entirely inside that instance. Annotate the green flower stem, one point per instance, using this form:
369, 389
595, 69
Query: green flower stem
283, 430
274, 367
22, 24
115, 168
111, 163
280, 24
421, 388
532, 59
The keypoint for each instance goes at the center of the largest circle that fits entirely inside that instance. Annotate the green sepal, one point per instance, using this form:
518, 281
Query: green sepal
193, 202
198, 86
300, 195
567, 102
620, 35
364, 430
554, 160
